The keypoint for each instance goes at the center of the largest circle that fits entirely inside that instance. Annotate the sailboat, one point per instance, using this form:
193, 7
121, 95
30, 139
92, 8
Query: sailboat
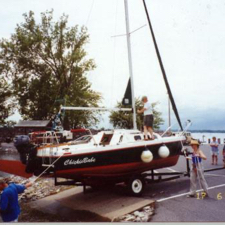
113, 156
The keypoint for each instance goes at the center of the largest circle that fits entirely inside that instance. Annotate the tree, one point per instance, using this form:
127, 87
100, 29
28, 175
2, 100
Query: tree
6, 106
124, 119
47, 62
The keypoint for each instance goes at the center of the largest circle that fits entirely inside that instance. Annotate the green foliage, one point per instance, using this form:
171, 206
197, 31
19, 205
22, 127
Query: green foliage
6, 106
47, 62
123, 119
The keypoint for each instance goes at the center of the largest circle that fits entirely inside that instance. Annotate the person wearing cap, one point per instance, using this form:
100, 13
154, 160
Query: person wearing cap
214, 151
148, 117
197, 170
9, 203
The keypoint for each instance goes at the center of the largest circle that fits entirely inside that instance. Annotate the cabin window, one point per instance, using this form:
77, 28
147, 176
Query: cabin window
121, 138
137, 137
106, 139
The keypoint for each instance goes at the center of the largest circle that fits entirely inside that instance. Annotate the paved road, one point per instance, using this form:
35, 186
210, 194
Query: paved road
172, 204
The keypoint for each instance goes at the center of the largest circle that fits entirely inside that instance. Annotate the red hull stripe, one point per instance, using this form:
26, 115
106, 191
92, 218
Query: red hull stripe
118, 169
14, 167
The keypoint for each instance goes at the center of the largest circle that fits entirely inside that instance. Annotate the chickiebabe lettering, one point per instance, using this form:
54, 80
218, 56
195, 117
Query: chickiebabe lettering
79, 161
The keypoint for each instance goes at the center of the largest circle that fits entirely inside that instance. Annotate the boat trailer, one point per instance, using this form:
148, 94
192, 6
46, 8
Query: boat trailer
135, 183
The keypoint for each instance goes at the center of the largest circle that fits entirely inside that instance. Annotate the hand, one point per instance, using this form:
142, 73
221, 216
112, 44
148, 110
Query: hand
29, 184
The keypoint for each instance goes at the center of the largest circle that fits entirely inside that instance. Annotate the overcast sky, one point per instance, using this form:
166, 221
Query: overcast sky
191, 40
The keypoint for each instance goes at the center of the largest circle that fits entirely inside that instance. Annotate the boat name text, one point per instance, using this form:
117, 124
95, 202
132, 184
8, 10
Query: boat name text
79, 161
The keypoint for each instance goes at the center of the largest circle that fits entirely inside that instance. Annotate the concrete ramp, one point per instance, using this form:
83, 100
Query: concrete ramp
108, 204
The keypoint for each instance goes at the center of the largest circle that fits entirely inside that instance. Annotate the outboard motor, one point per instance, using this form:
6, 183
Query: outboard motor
23, 146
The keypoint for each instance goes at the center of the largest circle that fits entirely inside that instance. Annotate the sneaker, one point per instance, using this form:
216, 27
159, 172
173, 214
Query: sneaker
207, 195
190, 196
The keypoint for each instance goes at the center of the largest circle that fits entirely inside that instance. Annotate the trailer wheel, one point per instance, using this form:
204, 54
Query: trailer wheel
136, 186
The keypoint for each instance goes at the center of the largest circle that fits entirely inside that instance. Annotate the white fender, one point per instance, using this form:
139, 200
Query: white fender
146, 156
163, 152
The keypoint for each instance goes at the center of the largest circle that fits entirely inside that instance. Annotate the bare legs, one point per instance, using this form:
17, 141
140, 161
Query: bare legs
214, 159
145, 133
151, 132
146, 130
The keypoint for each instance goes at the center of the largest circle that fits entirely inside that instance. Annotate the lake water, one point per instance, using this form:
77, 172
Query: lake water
204, 137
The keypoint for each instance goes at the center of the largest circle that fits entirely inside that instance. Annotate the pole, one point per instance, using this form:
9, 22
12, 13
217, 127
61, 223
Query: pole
169, 118
130, 63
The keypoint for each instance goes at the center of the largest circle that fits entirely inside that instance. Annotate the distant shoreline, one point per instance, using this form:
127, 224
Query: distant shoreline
202, 131
207, 131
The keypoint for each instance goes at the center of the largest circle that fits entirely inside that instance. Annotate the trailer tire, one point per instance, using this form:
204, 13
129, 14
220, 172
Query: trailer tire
136, 186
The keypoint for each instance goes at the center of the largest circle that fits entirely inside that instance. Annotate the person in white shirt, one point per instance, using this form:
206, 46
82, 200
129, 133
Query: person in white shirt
148, 117
214, 151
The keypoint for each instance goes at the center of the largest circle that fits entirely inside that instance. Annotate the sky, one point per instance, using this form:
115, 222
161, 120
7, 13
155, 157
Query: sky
190, 36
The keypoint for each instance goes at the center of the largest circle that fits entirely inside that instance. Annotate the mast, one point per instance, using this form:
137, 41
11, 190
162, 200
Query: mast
169, 116
130, 63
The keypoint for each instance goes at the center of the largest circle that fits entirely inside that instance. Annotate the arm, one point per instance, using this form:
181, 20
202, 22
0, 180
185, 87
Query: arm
21, 188
141, 110
29, 184
202, 155
146, 106
214, 144
4, 202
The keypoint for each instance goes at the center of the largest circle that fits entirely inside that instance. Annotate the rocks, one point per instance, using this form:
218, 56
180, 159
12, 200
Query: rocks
41, 188
142, 215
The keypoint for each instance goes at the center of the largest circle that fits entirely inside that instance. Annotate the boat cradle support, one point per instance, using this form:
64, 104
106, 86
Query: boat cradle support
150, 176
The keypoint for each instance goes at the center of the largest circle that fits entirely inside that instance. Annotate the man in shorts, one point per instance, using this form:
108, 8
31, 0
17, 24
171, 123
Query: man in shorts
214, 151
148, 118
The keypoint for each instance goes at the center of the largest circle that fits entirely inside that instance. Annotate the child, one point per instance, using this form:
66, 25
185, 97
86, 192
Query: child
197, 171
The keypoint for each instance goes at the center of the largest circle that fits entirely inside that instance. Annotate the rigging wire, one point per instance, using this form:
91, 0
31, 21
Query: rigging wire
162, 67
114, 55
89, 14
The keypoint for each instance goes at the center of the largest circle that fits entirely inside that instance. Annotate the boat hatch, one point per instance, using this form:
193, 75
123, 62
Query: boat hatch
106, 138
137, 137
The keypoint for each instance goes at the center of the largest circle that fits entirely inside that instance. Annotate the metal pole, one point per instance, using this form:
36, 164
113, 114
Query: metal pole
169, 118
130, 63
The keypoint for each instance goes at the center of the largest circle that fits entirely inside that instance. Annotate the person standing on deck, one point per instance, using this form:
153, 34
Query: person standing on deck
148, 117
197, 170
9, 203
214, 151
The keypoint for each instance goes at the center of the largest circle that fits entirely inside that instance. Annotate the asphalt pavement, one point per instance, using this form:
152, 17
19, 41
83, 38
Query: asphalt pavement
172, 205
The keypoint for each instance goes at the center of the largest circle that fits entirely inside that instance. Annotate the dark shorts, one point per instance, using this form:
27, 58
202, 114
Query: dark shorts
148, 120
